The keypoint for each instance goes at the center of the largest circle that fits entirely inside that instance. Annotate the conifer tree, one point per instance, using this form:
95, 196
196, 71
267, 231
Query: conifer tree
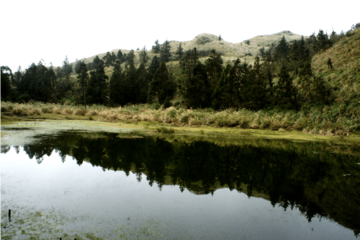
214, 68
156, 47
107, 59
116, 90
97, 62
17, 77
97, 87
282, 50
285, 92
66, 68
6, 76
165, 54
130, 59
113, 59
162, 86
143, 56
257, 88
196, 93
142, 84
119, 56
83, 78
154, 65
180, 51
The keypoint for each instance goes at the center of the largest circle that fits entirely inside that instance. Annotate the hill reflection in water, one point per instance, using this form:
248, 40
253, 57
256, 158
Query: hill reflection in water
317, 178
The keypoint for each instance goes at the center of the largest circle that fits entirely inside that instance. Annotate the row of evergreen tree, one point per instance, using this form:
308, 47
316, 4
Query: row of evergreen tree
198, 85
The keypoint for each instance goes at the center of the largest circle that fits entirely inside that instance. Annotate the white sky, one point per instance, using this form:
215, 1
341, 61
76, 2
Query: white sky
32, 30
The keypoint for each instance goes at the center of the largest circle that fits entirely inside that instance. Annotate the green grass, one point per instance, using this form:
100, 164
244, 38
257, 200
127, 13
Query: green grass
335, 120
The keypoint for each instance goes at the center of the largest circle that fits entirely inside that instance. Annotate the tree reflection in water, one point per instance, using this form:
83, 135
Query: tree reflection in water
318, 180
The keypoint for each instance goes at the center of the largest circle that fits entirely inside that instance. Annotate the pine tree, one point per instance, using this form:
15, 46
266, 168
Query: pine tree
142, 84
257, 88
119, 56
116, 80
113, 59
156, 47
162, 86
285, 92
83, 78
143, 56
154, 65
130, 59
6, 76
165, 54
107, 59
66, 68
17, 77
179, 51
196, 92
282, 50
96, 62
97, 87
214, 68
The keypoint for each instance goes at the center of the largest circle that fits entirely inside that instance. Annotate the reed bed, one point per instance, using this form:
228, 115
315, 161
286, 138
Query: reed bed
326, 120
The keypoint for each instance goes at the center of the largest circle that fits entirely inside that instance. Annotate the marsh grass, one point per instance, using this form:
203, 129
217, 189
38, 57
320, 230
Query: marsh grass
322, 120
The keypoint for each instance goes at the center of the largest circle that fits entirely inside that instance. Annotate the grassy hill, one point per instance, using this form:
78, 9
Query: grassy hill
345, 77
230, 51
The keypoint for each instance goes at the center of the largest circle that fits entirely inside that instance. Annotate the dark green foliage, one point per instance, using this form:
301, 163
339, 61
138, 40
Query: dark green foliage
165, 54
129, 89
282, 50
285, 92
188, 62
108, 59
120, 57
83, 78
96, 63
156, 47
257, 87
17, 78
6, 77
66, 68
154, 65
142, 84
180, 51
97, 87
77, 66
214, 68
162, 86
323, 40
116, 88
40, 84
224, 94
143, 56
130, 59
313, 89
196, 91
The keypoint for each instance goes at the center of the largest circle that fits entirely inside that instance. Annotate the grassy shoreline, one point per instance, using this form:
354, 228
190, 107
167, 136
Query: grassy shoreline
272, 123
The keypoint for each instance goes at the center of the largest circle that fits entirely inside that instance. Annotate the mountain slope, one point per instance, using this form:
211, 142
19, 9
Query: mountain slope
230, 51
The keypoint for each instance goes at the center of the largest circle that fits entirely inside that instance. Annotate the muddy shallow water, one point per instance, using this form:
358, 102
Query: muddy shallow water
86, 185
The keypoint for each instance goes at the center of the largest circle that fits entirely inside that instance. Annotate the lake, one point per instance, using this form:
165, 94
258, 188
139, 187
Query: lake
103, 185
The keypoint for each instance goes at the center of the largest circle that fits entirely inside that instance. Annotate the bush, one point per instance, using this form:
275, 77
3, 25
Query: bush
81, 112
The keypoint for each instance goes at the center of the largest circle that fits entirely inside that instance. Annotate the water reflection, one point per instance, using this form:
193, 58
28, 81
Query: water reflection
318, 179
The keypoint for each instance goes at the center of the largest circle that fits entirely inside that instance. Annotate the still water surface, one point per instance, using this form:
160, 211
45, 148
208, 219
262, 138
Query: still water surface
109, 186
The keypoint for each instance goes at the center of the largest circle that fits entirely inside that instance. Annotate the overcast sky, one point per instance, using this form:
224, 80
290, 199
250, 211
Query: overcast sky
32, 30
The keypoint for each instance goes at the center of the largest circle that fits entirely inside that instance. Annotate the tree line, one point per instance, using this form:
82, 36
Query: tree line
266, 83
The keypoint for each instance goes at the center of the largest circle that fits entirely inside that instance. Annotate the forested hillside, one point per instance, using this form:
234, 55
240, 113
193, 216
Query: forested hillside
319, 74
